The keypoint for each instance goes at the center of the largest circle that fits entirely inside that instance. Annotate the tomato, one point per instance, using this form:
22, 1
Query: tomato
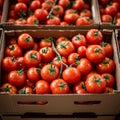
87, 6
104, 2
108, 48
17, 78
12, 14
106, 66
53, 20
25, 41
33, 74
109, 78
71, 75
21, 9
45, 42
85, 13
13, 50
30, 84
109, 90
9, 64
26, 90
58, 10
42, 87
12, 40
79, 88
94, 36
63, 23
95, 83
41, 15
64, 3
95, 53
35, 4
47, 54
73, 59
118, 22
118, 15
84, 66
23, 1
32, 58
32, 20
56, 61
78, 5
35, 47
79, 40
106, 18
82, 51
49, 72
61, 38
59, 86
20, 21
7, 87
71, 11
65, 48
117, 5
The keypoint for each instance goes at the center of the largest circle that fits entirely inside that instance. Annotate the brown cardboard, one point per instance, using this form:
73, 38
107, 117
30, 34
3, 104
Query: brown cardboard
10, 26
100, 104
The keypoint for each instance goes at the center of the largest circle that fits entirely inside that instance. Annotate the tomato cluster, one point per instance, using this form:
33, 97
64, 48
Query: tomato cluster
110, 11
80, 64
50, 12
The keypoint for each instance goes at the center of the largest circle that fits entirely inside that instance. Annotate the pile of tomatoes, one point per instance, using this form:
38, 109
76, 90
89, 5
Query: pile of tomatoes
110, 11
62, 65
50, 12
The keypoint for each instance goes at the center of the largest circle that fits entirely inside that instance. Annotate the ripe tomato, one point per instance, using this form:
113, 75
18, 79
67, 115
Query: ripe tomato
104, 2
85, 13
35, 4
108, 48
12, 14
25, 41
59, 86
63, 23
71, 75
71, 11
84, 66
17, 78
49, 72
82, 51
79, 88
73, 59
109, 90
106, 66
47, 54
32, 58
94, 36
23, 1
61, 38
32, 20
42, 87
95, 53
111, 10
79, 40
33, 74
26, 90
65, 48
95, 83
109, 78
64, 3
7, 87
13, 50
106, 18
9, 64
20, 21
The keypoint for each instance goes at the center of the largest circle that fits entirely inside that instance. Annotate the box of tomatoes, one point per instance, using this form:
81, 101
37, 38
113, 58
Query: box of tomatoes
59, 72
57, 14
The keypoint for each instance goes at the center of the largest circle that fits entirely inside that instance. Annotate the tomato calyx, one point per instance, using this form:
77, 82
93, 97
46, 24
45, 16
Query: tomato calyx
20, 72
21, 13
52, 69
33, 56
45, 50
106, 62
38, 70
50, 39
106, 77
78, 37
11, 47
36, 22
83, 85
96, 34
13, 59
7, 88
61, 85
97, 80
28, 39
97, 50
103, 44
63, 45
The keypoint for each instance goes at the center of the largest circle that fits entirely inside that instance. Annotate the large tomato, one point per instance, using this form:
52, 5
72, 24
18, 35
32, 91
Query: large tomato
95, 53
85, 13
106, 18
20, 21
59, 86
64, 3
35, 4
71, 75
49, 72
95, 83
32, 20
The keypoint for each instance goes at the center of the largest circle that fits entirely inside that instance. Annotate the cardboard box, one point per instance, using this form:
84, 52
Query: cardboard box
64, 104
10, 26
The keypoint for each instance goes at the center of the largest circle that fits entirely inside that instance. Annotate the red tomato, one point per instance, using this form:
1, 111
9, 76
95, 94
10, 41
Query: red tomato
9, 64
25, 41
49, 72
106, 18
106, 66
94, 36
35, 4
23, 1
104, 2
33, 74
85, 13
84, 66
95, 53
59, 86
13, 50
35, 47
47, 54
32, 58
17, 78
32, 20
79, 40
109, 78
79, 88
12, 14
20, 21
65, 48
71, 11
64, 3
71, 75
7, 87
109, 90
95, 83
61, 38
82, 51
118, 22
26, 90
63, 23
111, 10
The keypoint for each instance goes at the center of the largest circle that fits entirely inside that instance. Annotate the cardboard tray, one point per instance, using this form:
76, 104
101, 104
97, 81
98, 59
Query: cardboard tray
64, 104
10, 26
